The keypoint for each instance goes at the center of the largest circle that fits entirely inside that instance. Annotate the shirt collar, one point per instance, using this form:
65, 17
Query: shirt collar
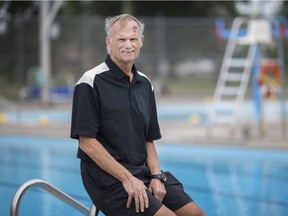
119, 74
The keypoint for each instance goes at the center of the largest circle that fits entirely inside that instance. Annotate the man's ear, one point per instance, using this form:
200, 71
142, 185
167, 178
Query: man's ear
142, 41
107, 40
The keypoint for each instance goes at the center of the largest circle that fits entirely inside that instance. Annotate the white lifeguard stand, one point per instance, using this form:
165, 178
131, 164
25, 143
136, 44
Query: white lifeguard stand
258, 32
241, 56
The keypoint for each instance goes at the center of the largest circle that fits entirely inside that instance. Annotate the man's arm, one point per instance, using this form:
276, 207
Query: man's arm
133, 186
156, 186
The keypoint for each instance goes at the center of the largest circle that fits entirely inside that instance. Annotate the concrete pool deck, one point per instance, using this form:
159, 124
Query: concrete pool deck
173, 131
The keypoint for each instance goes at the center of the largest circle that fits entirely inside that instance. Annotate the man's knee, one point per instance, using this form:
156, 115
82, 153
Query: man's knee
190, 209
164, 211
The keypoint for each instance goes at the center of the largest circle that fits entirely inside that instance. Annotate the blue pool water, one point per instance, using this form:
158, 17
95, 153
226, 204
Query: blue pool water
182, 111
224, 181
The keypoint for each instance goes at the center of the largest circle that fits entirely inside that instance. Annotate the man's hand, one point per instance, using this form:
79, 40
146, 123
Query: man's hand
137, 190
157, 188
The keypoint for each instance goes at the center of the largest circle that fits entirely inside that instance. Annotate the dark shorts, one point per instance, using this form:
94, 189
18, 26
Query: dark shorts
108, 194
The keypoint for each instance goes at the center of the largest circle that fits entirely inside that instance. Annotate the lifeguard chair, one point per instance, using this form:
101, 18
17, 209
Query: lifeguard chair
242, 56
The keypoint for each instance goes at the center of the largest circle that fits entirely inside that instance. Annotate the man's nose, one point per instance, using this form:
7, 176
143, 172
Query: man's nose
128, 43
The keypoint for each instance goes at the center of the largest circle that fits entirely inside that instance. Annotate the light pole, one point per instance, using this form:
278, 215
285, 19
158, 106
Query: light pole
48, 13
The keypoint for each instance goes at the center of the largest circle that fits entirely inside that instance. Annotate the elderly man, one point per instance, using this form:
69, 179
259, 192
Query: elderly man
115, 119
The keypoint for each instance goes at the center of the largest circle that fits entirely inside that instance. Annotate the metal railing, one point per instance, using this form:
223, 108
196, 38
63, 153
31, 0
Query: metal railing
15, 204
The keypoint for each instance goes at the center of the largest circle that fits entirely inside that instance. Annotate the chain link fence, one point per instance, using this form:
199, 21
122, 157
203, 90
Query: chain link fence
174, 48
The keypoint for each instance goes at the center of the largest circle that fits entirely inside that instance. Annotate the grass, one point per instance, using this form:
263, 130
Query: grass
191, 84
10, 92
188, 85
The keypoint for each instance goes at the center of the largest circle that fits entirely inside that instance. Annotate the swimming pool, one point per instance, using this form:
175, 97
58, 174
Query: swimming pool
181, 111
222, 180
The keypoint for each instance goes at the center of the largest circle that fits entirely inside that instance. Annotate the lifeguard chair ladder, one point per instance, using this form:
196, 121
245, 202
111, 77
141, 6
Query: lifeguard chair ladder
239, 58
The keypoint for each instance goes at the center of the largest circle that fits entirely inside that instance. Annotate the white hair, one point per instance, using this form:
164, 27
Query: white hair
123, 19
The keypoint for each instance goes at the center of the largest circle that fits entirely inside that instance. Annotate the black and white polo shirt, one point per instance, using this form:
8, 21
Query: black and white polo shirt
120, 114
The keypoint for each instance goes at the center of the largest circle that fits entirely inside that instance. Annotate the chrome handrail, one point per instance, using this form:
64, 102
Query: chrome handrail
94, 211
14, 208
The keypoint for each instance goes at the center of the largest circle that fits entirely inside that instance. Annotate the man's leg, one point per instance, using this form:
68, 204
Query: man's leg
190, 209
164, 211
178, 200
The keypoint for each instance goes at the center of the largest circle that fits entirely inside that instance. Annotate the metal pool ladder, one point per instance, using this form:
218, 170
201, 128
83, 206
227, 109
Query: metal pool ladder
15, 204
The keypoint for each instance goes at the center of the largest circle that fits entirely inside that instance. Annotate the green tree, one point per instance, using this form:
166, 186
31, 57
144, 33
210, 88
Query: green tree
151, 8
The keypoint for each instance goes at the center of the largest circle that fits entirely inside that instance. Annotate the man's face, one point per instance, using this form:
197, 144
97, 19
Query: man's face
124, 42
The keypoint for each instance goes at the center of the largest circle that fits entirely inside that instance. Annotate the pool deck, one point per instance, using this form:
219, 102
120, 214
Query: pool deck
177, 131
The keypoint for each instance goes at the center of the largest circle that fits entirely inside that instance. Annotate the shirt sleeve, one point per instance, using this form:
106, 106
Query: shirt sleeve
85, 111
154, 129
